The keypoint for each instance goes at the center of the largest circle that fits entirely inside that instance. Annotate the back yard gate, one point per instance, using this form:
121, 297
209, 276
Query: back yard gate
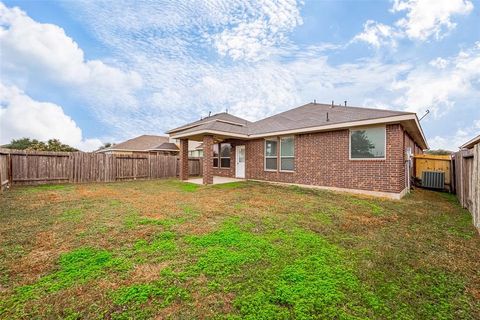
18, 167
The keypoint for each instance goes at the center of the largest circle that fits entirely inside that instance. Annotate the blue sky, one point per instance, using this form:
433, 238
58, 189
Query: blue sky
89, 72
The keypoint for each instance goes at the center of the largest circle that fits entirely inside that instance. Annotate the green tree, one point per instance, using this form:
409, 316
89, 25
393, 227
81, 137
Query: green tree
106, 145
56, 145
22, 144
439, 152
34, 144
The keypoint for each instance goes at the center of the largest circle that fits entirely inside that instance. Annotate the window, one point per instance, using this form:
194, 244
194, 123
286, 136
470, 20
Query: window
221, 155
367, 143
271, 154
225, 151
287, 157
215, 155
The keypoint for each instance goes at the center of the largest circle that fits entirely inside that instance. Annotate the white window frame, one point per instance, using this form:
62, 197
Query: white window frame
269, 157
220, 156
279, 165
366, 159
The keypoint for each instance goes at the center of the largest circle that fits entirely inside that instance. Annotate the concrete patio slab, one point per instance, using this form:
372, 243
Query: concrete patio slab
216, 180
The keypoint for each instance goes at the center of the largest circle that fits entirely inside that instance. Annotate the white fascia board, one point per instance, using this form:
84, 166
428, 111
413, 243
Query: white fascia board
200, 132
202, 123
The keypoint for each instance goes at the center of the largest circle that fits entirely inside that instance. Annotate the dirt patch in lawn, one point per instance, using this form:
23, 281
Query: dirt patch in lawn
148, 272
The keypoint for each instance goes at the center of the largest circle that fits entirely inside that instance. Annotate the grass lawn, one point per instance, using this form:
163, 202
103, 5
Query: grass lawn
167, 249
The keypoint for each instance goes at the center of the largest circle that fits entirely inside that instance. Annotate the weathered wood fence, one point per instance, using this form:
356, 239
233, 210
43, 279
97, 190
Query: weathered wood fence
195, 166
18, 167
467, 181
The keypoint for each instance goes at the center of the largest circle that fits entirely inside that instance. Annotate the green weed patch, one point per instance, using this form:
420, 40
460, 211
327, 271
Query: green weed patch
73, 215
224, 251
74, 268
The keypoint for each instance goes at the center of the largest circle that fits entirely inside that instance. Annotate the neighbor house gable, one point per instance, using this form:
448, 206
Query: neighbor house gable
143, 143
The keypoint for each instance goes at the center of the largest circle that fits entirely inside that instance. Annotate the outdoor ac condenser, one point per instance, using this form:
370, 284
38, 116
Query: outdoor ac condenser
433, 179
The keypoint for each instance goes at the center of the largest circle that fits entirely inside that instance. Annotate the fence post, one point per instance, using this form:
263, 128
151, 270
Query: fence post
475, 186
149, 166
10, 169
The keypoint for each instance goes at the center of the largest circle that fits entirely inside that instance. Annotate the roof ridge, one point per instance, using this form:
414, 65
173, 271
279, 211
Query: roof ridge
334, 106
277, 114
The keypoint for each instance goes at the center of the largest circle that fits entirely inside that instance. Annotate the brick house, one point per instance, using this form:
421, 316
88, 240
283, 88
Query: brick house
335, 147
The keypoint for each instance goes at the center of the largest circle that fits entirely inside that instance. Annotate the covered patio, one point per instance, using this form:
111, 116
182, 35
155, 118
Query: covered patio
216, 180
224, 138
223, 159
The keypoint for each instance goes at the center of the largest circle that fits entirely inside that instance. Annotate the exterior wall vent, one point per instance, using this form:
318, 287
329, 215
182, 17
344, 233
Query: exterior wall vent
433, 179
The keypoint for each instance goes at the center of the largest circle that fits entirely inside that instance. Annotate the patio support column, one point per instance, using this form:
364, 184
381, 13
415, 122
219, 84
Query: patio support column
183, 159
207, 159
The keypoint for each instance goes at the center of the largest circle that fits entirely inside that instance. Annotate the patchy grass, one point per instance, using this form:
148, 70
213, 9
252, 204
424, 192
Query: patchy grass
47, 187
229, 185
166, 249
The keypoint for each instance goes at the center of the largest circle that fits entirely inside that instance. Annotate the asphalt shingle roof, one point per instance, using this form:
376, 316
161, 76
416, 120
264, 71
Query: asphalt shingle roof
315, 115
224, 118
166, 146
309, 115
140, 143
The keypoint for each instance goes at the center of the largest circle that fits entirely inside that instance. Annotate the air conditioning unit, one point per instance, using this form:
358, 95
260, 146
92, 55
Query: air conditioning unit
433, 179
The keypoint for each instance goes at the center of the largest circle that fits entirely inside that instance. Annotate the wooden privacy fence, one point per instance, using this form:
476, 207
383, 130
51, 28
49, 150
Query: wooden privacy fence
195, 166
430, 162
19, 167
467, 181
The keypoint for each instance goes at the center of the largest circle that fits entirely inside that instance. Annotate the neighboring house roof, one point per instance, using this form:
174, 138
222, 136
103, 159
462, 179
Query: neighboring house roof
470, 144
307, 118
140, 143
166, 146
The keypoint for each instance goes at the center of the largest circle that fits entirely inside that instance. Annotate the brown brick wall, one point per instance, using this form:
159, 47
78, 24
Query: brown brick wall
207, 160
408, 141
323, 159
183, 159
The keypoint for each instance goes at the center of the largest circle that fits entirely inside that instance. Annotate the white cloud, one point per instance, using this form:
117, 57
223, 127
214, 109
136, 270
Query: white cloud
424, 19
437, 90
264, 29
439, 63
21, 116
34, 53
427, 18
377, 34
453, 141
